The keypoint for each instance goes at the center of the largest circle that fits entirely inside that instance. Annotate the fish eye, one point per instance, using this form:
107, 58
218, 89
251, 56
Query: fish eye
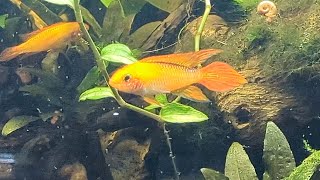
127, 78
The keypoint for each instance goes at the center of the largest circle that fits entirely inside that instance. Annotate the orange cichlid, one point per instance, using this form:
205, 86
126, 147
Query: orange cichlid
177, 74
53, 37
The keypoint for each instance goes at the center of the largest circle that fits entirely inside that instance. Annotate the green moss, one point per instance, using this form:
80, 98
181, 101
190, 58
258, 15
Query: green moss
247, 4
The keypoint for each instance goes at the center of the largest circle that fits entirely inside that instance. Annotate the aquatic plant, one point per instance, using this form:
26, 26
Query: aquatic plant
173, 112
277, 156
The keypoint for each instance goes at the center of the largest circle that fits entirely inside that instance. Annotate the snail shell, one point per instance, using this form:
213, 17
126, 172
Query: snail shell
267, 9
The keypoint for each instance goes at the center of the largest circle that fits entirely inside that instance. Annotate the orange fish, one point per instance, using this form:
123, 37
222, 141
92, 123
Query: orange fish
53, 37
177, 74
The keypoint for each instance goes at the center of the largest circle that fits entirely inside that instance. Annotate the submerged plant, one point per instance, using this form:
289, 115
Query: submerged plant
277, 156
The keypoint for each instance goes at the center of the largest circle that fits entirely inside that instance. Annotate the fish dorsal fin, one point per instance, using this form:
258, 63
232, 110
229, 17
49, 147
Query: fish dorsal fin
192, 93
190, 59
27, 36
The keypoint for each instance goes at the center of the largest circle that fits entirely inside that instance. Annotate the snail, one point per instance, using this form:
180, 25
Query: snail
267, 9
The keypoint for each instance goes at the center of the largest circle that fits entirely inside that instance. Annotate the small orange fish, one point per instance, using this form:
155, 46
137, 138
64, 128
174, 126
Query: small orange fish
177, 74
53, 37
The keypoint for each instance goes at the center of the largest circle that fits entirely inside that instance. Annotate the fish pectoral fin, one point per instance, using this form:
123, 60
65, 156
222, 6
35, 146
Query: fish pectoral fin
151, 100
192, 93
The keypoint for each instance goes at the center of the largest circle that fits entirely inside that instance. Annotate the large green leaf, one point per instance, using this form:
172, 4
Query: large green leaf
238, 165
166, 5
117, 53
179, 113
3, 20
91, 79
96, 93
308, 167
17, 123
277, 155
210, 174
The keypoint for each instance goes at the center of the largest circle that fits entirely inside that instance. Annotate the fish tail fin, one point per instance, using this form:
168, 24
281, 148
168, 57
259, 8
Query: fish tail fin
10, 53
219, 76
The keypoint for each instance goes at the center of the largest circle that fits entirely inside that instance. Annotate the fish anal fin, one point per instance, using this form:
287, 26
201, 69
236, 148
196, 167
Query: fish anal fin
192, 93
190, 59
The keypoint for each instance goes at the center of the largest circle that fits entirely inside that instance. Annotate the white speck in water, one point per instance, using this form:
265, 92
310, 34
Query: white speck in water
100, 9
55, 167
39, 110
48, 100
308, 127
58, 127
67, 77
59, 67
62, 137
109, 165
1, 40
310, 134
103, 109
119, 107
28, 130
116, 114
107, 151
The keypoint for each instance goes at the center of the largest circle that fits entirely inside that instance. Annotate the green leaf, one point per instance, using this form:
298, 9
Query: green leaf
166, 5
139, 37
277, 155
308, 167
96, 93
162, 98
238, 165
117, 53
17, 123
106, 3
210, 174
90, 80
130, 7
88, 17
179, 113
152, 106
3, 20
62, 2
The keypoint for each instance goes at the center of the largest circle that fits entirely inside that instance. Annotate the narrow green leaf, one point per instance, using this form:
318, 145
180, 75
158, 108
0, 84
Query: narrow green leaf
166, 5
3, 20
106, 3
238, 165
130, 7
50, 95
139, 37
277, 155
17, 123
152, 106
90, 80
62, 2
48, 79
117, 53
96, 93
210, 174
88, 17
308, 167
179, 113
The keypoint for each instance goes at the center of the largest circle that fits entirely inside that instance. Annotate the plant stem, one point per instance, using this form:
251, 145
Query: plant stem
203, 22
173, 158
